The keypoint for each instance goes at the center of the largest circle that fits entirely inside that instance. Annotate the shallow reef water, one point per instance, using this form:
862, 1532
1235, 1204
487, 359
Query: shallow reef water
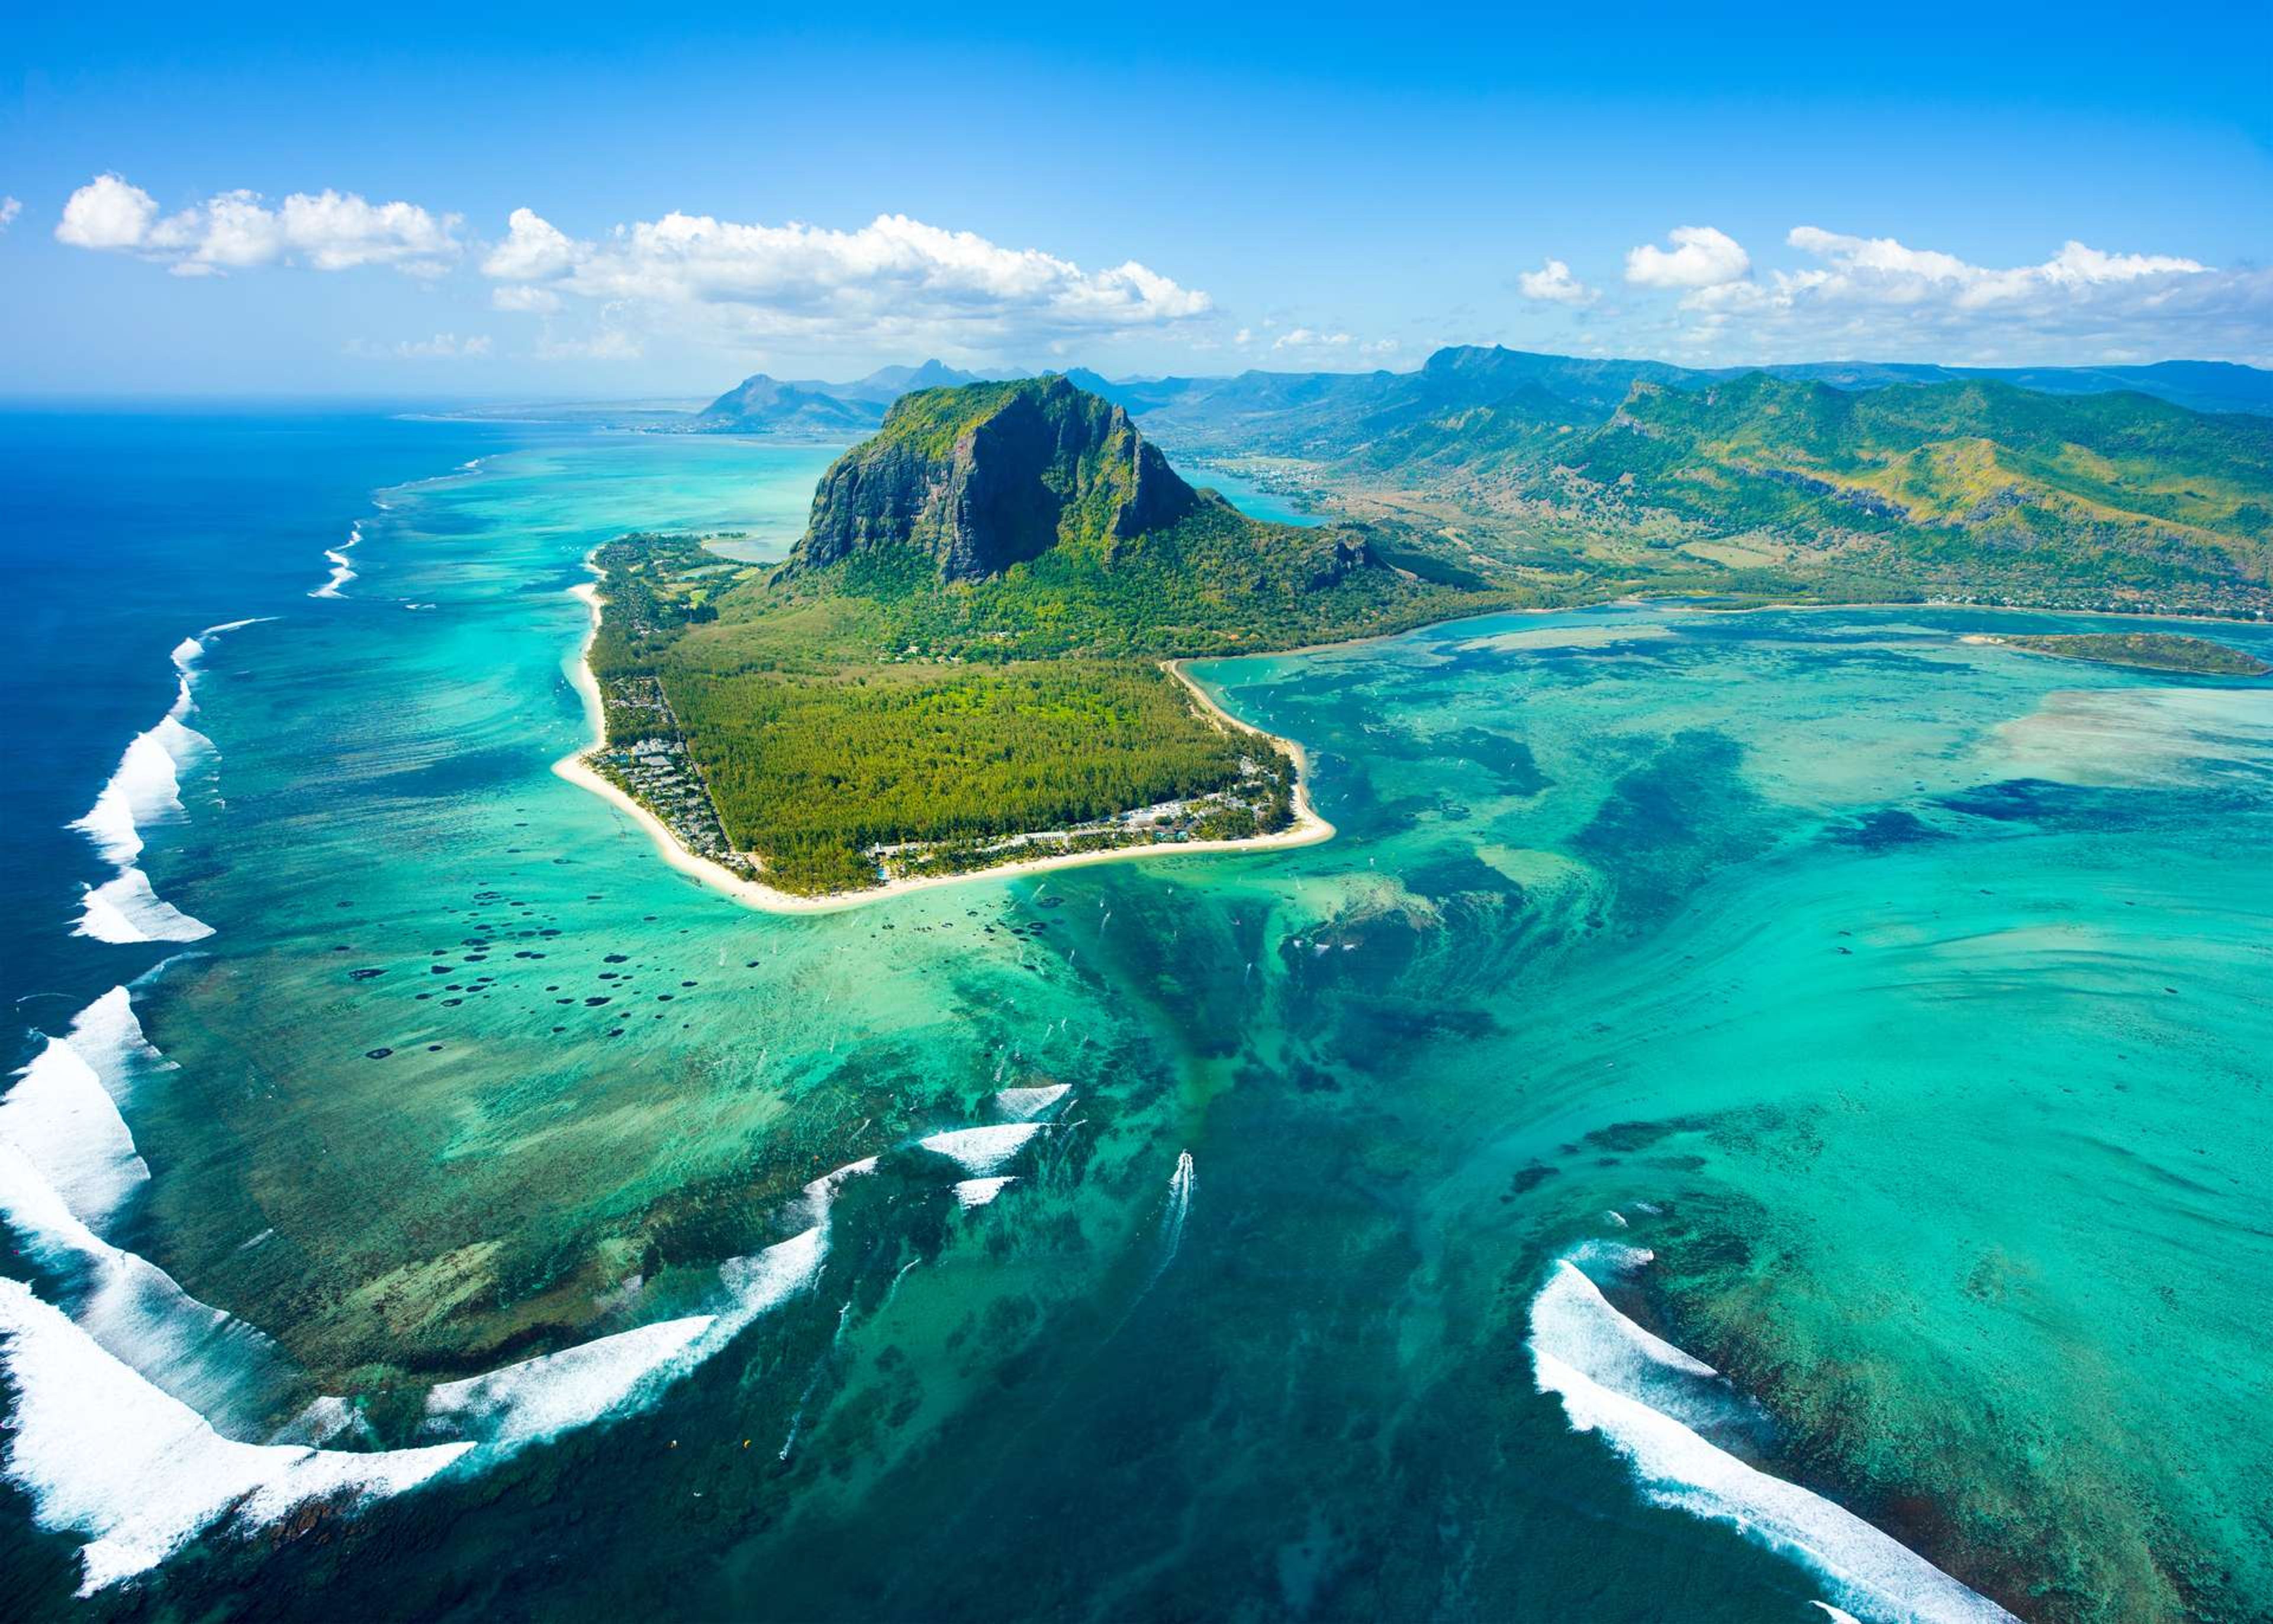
1753, 1114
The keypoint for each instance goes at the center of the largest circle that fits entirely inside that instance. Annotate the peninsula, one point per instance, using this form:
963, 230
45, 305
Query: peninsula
969, 661
2147, 651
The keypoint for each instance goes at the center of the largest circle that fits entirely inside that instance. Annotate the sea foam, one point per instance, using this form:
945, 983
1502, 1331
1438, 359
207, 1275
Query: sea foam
68, 1165
979, 1192
1027, 1103
342, 571
143, 790
557, 1392
1656, 1406
63, 1119
125, 908
983, 1150
103, 1452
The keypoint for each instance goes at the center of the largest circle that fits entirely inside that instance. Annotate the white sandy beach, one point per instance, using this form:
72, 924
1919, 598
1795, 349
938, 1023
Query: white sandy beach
1308, 829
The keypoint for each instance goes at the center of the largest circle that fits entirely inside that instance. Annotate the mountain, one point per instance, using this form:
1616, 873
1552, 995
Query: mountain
960, 663
1337, 415
1033, 519
2119, 489
763, 405
2198, 386
1967, 489
991, 475
811, 409
1340, 415
886, 385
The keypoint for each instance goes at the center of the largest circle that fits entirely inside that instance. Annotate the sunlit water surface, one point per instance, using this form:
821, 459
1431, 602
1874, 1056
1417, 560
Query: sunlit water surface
1877, 1017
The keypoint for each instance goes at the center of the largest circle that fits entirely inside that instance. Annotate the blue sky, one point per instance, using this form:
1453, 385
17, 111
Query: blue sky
567, 203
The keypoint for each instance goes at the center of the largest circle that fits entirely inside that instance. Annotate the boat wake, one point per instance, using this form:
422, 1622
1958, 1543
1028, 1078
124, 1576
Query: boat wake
1173, 1216
1681, 1426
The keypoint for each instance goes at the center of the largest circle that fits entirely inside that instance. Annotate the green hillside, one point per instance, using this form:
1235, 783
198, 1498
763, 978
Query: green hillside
964, 647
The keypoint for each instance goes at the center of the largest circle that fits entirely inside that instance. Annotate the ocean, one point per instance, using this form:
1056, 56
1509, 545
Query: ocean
1755, 1116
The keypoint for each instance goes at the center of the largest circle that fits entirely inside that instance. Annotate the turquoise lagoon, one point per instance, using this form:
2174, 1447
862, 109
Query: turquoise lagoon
1872, 1017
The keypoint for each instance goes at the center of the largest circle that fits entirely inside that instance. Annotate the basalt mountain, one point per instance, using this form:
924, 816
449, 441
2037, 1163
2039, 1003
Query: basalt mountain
984, 477
1032, 517
966, 646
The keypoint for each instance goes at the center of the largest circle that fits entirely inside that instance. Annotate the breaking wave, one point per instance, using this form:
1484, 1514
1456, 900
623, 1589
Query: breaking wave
143, 792
983, 1150
125, 909
103, 1451
1675, 1421
135, 1402
1025, 1104
545, 1396
342, 571
145, 789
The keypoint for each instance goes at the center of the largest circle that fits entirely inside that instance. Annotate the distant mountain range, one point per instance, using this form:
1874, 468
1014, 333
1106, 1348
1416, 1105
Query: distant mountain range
2099, 487
1329, 413
809, 408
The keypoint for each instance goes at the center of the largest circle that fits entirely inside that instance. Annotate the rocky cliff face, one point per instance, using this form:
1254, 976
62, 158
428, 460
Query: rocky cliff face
985, 476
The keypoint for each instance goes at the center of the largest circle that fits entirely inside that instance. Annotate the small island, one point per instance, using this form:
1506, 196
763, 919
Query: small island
971, 659
2151, 651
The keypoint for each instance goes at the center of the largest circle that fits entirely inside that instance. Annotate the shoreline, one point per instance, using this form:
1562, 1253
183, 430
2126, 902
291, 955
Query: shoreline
1308, 829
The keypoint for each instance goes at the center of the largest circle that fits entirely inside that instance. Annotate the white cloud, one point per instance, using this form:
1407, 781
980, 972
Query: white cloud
8, 209
1877, 295
237, 230
1327, 347
1701, 256
529, 300
533, 250
894, 280
441, 347
1554, 283
1884, 271
1303, 338
107, 213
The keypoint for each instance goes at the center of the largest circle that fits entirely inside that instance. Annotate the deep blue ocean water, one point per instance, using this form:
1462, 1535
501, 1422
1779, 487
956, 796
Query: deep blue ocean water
123, 532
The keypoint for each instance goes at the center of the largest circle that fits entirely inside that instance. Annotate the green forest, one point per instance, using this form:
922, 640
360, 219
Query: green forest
871, 695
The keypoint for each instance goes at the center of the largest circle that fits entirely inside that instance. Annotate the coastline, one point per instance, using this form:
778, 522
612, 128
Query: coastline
1308, 829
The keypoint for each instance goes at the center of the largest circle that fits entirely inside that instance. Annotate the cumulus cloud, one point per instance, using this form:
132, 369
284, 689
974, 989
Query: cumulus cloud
237, 230
894, 279
107, 213
8, 209
1554, 283
1884, 270
1878, 293
441, 347
534, 248
1701, 256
